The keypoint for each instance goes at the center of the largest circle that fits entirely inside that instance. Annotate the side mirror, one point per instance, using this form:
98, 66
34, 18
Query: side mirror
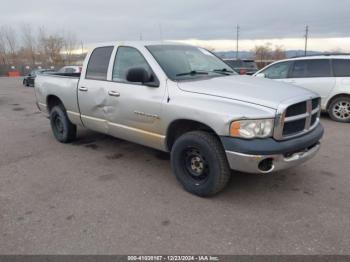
140, 75
262, 75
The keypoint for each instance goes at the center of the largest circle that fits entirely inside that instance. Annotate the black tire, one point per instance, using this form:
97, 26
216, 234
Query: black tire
63, 130
199, 163
339, 109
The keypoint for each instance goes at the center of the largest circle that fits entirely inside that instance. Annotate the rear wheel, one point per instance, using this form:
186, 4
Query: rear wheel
199, 163
63, 130
339, 109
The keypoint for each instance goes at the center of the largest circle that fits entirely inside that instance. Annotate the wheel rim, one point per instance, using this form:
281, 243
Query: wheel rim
341, 110
58, 124
195, 165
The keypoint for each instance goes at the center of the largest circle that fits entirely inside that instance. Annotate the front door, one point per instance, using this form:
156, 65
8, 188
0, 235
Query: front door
135, 108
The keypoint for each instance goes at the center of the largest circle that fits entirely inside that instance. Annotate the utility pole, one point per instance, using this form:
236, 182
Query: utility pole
306, 38
82, 47
237, 39
160, 32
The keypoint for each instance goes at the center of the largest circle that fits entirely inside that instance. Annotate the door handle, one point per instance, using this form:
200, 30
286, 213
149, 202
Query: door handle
83, 89
114, 93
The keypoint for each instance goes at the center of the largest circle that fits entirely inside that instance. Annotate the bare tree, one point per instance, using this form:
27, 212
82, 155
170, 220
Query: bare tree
53, 48
29, 43
49, 47
41, 43
8, 44
70, 44
266, 53
262, 52
32, 47
3, 47
279, 53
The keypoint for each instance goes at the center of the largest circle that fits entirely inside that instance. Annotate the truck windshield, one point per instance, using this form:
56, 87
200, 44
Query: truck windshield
181, 62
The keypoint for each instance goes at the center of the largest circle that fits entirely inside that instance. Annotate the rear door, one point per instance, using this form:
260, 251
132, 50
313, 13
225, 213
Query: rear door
341, 69
313, 74
93, 90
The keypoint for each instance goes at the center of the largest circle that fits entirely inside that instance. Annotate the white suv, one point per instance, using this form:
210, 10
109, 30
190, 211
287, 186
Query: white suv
327, 75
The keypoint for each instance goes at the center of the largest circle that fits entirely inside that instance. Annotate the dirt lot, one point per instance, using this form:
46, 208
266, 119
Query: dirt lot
103, 195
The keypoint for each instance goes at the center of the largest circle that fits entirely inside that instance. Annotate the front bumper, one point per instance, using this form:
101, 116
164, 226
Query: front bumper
268, 155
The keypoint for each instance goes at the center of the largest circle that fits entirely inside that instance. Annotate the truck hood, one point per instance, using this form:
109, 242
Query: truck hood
247, 89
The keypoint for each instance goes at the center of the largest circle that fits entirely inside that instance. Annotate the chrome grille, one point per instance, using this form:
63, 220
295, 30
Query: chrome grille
297, 118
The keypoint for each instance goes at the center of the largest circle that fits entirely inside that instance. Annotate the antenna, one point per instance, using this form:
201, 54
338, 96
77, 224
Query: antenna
306, 38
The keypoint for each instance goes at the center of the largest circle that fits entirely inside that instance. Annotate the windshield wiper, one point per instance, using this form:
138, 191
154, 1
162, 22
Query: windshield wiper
192, 73
223, 71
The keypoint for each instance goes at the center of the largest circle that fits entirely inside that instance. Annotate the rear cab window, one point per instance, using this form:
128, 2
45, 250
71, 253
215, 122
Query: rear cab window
98, 63
311, 68
341, 67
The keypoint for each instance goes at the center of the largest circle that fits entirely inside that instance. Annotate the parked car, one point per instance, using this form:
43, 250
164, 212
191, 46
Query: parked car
70, 69
242, 67
327, 75
29, 79
184, 100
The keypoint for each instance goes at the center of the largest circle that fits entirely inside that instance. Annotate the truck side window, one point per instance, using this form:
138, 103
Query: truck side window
98, 63
127, 58
311, 68
277, 71
341, 67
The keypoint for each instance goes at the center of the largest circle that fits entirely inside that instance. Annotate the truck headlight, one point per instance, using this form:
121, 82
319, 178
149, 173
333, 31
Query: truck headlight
250, 129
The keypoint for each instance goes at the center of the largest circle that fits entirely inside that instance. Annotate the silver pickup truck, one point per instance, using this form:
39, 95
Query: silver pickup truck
185, 100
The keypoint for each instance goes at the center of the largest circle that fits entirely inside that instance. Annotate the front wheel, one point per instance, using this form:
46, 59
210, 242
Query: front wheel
339, 109
199, 163
63, 130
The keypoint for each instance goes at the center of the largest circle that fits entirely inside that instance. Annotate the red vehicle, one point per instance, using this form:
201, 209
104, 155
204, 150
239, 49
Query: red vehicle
242, 67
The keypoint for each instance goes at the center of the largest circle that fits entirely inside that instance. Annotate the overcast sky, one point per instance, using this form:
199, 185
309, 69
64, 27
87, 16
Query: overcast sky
107, 20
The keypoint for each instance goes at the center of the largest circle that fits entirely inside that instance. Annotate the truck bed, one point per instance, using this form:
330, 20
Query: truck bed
62, 86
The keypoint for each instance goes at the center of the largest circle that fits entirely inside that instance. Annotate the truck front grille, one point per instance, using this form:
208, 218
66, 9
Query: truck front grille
292, 128
296, 109
298, 119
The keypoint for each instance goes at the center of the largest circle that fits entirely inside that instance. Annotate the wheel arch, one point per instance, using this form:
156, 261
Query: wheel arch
329, 102
181, 126
53, 100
